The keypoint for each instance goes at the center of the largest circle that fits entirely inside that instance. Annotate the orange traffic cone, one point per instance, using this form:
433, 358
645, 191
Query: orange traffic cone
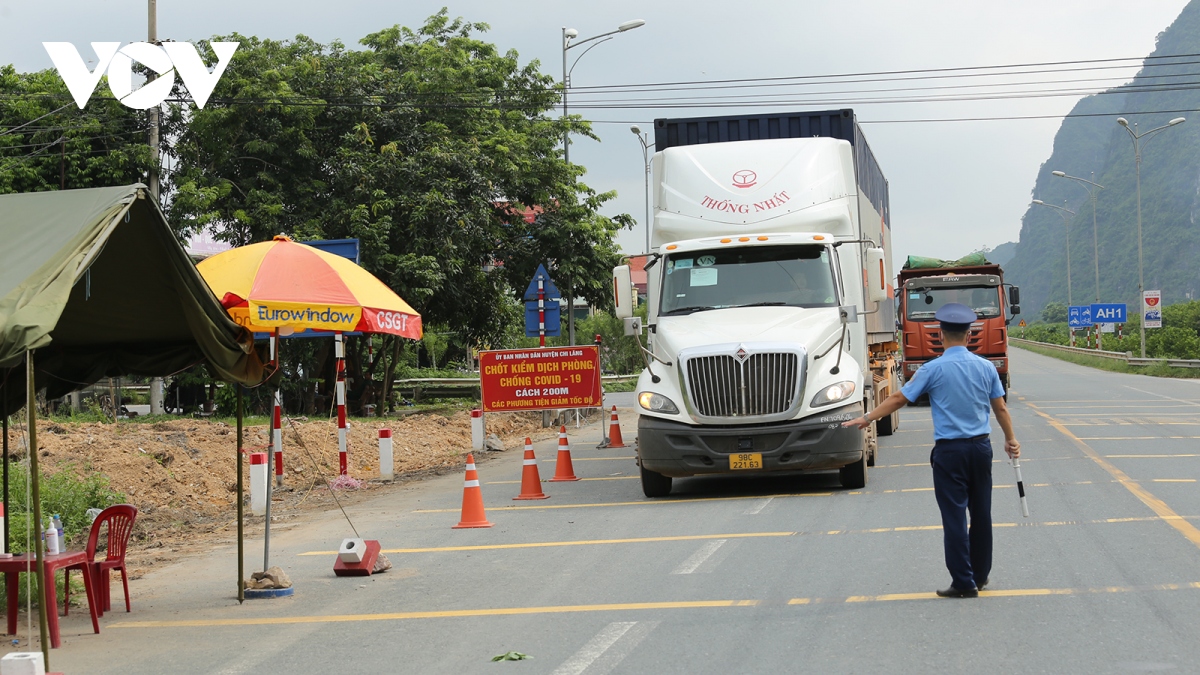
472, 507
563, 470
614, 431
531, 482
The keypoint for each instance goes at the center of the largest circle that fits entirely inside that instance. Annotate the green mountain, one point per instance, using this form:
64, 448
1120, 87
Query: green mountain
1003, 253
1092, 141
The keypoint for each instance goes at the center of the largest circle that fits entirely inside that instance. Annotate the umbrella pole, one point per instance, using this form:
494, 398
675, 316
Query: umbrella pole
31, 411
270, 463
339, 353
241, 491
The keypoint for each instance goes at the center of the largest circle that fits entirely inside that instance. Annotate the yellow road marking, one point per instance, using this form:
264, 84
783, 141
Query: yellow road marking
546, 480
1174, 480
1133, 438
740, 535
1145, 456
582, 542
454, 613
648, 502
1004, 593
588, 459
1156, 505
620, 607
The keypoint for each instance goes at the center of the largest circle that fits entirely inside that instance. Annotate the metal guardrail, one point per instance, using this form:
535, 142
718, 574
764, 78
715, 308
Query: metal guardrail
1127, 357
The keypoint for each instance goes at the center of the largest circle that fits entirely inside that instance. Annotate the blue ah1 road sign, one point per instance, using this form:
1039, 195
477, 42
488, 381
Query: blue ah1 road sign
1108, 312
1079, 316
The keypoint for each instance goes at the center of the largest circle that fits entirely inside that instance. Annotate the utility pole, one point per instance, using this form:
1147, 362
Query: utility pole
156, 383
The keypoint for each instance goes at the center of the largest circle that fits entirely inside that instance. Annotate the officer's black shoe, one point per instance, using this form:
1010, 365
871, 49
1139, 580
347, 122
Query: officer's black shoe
983, 584
953, 592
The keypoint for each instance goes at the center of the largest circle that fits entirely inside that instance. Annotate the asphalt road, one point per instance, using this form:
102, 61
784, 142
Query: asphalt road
732, 575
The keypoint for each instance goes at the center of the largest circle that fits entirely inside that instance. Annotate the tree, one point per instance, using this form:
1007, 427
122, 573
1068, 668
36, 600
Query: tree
47, 142
1054, 312
424, 146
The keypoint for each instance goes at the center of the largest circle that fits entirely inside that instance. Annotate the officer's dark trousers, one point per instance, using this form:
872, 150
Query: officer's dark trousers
962, 482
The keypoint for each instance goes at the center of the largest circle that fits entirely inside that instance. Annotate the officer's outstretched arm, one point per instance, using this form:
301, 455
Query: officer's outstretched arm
890, 405
1011, 445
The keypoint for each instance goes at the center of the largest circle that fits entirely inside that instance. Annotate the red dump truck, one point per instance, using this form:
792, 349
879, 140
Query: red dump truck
928, 284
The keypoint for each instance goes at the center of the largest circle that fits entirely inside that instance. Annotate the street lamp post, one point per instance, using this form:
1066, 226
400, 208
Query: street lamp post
569, 34
642, 138
1092, 188
1137, 158
1063, 211
1095, 187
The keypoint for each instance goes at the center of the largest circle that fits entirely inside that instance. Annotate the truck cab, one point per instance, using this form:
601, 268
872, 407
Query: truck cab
924, 291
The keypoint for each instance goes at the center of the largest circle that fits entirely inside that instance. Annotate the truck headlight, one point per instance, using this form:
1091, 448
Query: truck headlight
999, 363
833, 393
657, 402
912, 367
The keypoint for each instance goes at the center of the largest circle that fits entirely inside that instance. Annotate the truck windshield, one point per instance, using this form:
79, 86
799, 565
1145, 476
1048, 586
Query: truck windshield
923, 303
796, 276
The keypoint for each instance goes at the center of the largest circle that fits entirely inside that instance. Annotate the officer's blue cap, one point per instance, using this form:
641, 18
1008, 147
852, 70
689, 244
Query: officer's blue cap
955, 317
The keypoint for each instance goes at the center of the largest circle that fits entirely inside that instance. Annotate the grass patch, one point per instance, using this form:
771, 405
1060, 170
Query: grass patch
1160, 369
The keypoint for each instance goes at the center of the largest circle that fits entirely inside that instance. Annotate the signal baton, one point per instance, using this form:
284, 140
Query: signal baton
1016, 463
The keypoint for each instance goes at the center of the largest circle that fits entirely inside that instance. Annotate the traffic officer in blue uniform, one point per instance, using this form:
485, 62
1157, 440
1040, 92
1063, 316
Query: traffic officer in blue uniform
961, 387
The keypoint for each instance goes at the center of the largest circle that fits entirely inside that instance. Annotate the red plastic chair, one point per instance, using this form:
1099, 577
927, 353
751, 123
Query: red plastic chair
119, 519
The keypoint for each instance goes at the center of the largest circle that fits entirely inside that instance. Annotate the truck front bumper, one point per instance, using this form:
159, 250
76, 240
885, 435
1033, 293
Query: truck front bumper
814, 443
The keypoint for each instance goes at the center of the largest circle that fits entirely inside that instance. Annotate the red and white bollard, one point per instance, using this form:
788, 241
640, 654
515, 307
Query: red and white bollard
339, 353
258, 483
477, 429
386, 463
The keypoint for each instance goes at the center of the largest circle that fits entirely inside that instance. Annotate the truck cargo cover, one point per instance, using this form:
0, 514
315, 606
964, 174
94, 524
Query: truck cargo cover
97, 283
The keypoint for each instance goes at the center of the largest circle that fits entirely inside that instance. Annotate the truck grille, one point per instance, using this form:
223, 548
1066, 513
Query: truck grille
762, 384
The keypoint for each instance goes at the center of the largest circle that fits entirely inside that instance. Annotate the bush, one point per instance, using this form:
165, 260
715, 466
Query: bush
67, 493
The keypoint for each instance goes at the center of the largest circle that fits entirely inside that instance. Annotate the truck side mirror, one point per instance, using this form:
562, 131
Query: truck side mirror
1014, 296
876, 278
622, 292
1014, 309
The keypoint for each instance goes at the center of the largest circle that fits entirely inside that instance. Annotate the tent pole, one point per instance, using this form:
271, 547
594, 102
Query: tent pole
31, 412
6, 509
240, 499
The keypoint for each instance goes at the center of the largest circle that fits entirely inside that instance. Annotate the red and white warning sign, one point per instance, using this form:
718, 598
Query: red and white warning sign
1152, 309
540, 379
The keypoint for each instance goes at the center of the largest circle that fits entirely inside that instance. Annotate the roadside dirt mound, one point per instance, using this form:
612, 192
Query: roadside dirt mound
182, 474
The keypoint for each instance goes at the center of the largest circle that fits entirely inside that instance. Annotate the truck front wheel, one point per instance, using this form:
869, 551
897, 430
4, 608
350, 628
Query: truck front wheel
853, 476
655, 484
885, 426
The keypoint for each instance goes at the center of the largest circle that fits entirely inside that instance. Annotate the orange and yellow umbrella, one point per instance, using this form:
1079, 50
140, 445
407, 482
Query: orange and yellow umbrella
286, 286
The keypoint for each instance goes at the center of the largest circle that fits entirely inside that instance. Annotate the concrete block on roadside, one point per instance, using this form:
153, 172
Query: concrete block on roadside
352, 550
22, 663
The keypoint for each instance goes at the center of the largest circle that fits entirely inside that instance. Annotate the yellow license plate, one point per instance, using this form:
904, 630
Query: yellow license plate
746, 460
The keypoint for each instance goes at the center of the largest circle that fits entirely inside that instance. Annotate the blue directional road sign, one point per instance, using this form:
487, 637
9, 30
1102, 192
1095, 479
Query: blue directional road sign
1079, 316
551, 306
1108, 312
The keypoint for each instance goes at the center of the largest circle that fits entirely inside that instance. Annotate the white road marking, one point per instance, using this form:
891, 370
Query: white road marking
697, 559
592, 657
755, 510
610, 659
1169, 398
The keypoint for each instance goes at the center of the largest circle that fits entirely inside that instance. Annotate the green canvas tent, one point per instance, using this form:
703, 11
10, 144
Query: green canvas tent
93, 283
97, 283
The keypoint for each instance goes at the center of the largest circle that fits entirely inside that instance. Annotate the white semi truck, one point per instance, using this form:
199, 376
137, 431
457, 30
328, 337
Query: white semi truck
771, 318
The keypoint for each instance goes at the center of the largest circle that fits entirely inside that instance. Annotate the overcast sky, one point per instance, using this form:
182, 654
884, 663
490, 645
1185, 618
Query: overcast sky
955, 186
